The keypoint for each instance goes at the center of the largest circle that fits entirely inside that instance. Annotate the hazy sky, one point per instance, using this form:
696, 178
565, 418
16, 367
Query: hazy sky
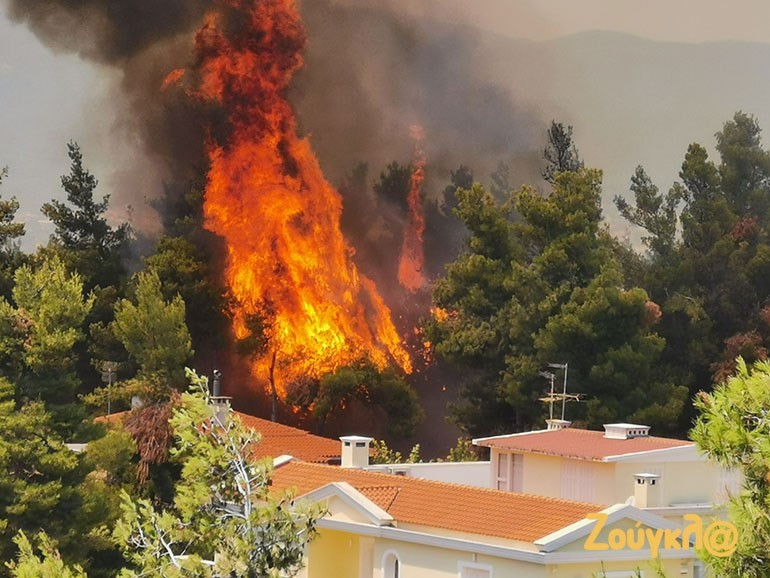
671, 20
47, 99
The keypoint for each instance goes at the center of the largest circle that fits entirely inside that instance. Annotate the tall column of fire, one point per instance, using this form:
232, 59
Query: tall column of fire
268, 198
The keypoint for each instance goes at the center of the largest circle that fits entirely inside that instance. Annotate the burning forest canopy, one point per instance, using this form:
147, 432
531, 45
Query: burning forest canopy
214, 84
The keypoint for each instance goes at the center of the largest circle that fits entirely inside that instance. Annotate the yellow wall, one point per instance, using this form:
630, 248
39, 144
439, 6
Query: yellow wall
333, 554
542, 477
429, 562
680, 483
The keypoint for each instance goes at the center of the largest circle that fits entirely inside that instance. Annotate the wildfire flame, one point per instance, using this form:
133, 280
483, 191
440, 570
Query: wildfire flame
267, 196
412, 258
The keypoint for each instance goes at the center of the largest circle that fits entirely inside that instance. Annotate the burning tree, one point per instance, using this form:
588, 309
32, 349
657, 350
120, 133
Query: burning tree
279, 217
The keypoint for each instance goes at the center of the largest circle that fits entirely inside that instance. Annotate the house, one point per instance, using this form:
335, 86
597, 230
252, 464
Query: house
622, 464
381, 525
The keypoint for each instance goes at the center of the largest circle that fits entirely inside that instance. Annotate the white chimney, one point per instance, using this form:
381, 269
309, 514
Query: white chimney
554, 424
625, 431
355, 451
646, 490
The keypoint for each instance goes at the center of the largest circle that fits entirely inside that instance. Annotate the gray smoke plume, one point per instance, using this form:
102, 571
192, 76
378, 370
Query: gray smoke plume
107, 31
372, 70
143, 40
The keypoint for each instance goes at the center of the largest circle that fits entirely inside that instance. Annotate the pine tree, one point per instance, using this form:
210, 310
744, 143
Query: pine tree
83, 238
154, 333
40, 338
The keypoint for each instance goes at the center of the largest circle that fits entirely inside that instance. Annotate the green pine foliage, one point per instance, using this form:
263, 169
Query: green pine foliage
733, 429
224, 520
83, 238
539, 282
384, 392
48, 565
11, 233
154, 333
707, 262
39, 339
46, 486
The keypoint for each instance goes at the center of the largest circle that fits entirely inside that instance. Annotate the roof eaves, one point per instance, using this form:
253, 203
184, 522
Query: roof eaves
633, 455
478, 441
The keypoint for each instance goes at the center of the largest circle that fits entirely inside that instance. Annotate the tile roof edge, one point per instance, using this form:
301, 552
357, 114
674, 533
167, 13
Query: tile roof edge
476, 441
619, 457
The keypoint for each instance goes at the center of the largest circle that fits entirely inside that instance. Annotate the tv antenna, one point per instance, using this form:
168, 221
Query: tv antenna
554, 396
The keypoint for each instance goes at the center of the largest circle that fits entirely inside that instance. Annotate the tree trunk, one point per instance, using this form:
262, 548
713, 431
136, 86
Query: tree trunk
274, 412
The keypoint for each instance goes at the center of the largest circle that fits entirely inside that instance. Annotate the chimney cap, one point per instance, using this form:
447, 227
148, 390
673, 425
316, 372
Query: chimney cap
554, 424
355, 439
647, 476
355, 451
625, 431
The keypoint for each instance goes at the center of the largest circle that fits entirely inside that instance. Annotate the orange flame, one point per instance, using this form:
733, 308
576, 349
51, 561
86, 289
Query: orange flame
280, 218
172, 78
412, 259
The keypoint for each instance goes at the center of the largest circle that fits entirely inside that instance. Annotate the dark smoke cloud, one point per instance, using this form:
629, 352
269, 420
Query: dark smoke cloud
107, 30
375, 68
372, 70
142, 40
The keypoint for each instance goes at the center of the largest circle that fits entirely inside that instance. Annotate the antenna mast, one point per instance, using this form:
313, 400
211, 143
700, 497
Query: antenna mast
564, 397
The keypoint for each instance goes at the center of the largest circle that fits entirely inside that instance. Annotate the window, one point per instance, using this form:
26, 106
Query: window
517, 473
699, 570
391, 566
502, 471
510, 472
577, 481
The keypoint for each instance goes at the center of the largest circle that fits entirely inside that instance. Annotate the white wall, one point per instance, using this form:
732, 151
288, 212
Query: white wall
467, 473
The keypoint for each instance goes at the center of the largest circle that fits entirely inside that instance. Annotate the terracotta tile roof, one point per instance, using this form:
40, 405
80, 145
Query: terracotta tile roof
509, 515
579, 443
384, 496
277, 440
